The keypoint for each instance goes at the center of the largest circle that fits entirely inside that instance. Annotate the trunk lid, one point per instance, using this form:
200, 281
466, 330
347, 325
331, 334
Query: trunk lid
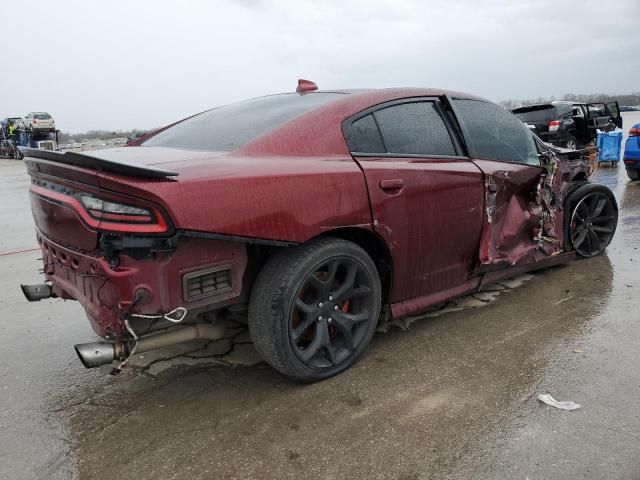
58, 180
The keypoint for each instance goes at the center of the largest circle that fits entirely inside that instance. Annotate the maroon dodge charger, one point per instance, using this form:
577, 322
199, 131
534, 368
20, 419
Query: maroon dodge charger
317, 212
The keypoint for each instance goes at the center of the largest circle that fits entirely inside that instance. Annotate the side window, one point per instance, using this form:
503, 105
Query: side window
414, 128
495, 134
364, 136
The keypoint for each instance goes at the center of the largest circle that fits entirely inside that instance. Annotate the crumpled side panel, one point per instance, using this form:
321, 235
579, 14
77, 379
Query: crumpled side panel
524, 214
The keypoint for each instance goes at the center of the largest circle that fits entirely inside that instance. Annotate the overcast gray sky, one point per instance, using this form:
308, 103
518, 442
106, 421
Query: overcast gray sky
144, 63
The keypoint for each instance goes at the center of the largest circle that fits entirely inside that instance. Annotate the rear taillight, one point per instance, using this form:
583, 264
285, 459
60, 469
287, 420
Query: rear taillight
634, 132
104, 210
33, 121
554, 125
108, 215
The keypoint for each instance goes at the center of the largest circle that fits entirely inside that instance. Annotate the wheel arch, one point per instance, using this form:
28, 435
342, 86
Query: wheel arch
580, 177
375, 246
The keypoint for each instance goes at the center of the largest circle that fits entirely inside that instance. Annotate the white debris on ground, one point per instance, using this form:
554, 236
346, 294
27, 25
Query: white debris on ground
565, 405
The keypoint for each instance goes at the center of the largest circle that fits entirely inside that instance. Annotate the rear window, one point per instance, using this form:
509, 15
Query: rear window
415, 129
42, 116
231, 126
535, 115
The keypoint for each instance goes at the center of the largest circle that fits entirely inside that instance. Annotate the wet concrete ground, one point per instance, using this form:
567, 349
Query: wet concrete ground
453, 395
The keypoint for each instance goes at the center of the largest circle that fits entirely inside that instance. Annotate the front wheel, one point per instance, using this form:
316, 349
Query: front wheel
591, 219
314, 308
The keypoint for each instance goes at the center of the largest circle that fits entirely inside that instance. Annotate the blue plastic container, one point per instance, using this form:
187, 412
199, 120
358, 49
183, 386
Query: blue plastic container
609, 144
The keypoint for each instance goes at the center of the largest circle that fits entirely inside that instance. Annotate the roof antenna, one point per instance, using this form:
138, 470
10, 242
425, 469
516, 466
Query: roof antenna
305, 86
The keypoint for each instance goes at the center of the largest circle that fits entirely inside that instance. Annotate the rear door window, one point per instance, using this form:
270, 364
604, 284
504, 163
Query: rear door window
415, 129
364, 136
495, 134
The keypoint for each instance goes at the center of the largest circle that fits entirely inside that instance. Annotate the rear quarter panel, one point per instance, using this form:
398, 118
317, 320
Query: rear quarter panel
277, 198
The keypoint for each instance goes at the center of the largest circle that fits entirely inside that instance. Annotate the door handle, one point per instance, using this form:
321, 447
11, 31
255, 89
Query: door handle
392, 184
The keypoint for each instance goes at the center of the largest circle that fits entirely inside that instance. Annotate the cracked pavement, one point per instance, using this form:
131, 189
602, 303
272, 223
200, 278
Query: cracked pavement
447, 394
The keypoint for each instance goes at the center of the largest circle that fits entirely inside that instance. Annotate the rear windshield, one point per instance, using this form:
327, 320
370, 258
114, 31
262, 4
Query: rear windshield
231, 126
42, 116
537, 114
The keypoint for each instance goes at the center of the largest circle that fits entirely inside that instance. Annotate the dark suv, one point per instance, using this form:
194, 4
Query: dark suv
568, 124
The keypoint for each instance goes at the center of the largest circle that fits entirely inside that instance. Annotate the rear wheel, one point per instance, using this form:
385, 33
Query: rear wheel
633, 174
314, 308
592, 217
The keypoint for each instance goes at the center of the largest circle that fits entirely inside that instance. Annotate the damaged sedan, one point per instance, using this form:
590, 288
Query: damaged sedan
316, 212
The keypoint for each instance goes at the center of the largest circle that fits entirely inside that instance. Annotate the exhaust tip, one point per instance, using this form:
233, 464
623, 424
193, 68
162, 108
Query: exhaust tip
95, 354
34, 293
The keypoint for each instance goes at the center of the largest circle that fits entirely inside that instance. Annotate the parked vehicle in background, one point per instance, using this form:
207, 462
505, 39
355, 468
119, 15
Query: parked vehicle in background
568, 124
632, 153
314, 211
135, 136
39, 121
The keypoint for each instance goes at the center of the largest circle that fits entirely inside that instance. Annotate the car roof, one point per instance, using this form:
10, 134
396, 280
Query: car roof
319, 129
357, 94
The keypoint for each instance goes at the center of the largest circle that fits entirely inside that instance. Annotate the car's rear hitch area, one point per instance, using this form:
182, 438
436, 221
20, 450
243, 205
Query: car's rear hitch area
95, 354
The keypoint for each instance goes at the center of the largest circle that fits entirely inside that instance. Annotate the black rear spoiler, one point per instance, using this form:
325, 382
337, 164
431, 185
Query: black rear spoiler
94, 162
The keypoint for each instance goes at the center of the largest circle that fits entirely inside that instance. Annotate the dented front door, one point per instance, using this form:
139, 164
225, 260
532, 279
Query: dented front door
521, 194
511, 215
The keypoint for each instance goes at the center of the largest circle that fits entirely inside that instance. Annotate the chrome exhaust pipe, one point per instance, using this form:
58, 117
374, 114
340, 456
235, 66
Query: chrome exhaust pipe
37, 292
97, 353
101, 353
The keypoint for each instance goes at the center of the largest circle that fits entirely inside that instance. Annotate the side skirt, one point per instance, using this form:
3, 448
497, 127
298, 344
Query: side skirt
475, 284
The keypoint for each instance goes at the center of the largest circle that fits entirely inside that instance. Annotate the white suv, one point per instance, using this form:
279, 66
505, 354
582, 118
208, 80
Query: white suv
39, 121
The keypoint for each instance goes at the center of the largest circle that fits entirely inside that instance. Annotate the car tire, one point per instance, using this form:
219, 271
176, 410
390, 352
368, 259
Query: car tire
295, 322
633, 174
571, 142
591, 218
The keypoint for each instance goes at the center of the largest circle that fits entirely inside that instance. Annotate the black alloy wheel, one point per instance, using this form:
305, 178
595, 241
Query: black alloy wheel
314, 308
330, 313
593, 221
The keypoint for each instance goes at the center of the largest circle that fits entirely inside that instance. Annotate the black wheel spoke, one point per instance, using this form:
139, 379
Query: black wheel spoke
326, 343
589, 248
333, 268
578, 238
597, 228
310, 350
599, 206
583, 210
604, 219
303, 327
304, 307
594, 241
347, 283
350, 319
318, 284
